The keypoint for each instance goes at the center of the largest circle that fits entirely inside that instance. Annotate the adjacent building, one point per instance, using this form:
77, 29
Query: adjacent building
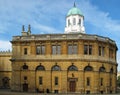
5, 69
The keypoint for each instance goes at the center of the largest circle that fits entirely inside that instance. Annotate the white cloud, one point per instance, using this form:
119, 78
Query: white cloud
99, 18
27, 12
5, 45
45, 29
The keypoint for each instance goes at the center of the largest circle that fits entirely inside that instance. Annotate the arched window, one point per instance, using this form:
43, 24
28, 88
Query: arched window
111, 70
74, 21
25, 67
72, 68
56, 68
40, 68
102, 69
79, 22
88, 68
6, 82
68, 22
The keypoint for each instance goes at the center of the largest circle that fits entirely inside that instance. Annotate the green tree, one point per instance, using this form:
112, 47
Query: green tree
118, 81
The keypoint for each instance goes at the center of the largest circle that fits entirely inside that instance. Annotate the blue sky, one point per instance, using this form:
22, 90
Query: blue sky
102, 17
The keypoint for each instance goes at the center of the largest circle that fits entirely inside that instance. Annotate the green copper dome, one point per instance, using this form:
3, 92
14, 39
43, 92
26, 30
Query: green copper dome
74, 11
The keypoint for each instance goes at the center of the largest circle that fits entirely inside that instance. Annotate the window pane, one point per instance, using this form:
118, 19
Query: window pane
43, 49
90, 49
101, 81
56, 80
99, 50
80, 22
56, 68
68, 22
40, 80
88, 68
102, 69
69, 49
59, 49
88, 81
38, 50
72, 68
111, 53
85, 49
75, 49
74, 21
53, 49
103, 51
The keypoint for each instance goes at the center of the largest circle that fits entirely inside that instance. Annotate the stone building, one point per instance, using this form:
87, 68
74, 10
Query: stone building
118, 73
5, 69
62, 63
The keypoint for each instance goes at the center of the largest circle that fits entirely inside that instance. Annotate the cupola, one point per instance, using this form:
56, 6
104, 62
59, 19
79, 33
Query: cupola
74, 21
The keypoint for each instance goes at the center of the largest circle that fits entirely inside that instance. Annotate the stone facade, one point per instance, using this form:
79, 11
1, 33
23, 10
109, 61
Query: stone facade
62, 63
5, 69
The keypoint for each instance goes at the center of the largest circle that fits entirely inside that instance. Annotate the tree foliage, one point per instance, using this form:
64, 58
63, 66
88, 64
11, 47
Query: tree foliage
118, 81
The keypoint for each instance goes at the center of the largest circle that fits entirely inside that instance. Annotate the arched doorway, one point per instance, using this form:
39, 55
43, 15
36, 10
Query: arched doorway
6, 82
39, 78
72, 79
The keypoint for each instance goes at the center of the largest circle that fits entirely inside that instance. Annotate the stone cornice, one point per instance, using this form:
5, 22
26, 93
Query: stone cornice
71, 36
61, 60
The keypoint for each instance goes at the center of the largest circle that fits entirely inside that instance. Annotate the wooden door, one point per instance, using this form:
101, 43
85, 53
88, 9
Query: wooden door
72, 86
25, 87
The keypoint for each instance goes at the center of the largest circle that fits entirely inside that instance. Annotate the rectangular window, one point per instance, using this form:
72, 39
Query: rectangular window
101, 81
25, 51
56, 80
69, 49
72, 49
110, 81
43, 50
25, 77
75, 49
110, 53
88, 49
40, 50
101, 50
88, 81
85, 49
40, 80
56, 49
